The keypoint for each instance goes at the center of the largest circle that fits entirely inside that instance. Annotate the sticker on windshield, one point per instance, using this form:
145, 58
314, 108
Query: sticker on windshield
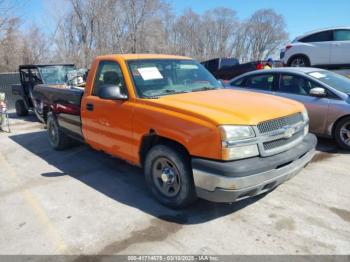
184, 66
317, 75
150, 73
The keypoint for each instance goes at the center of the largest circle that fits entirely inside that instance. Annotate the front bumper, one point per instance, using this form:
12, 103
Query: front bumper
235, 180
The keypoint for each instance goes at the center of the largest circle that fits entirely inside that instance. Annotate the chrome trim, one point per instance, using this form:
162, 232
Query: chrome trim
211, 182
260, 139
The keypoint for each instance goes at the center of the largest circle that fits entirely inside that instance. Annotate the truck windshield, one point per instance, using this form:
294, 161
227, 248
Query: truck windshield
55, 74
170, 76
338, 82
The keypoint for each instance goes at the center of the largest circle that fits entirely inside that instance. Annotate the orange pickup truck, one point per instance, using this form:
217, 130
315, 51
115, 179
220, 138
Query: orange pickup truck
193, 138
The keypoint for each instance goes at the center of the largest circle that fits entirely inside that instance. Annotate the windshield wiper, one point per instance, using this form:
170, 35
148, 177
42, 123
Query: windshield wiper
172, 91
165, 92
204, 88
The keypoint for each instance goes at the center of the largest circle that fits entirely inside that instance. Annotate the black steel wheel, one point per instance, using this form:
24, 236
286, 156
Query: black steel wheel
169, 176
166, 177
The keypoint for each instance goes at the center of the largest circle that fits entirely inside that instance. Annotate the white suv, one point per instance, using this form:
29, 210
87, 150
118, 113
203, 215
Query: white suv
322, 48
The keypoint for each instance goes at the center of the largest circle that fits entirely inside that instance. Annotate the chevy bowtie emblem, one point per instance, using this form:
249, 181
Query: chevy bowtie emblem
289, 131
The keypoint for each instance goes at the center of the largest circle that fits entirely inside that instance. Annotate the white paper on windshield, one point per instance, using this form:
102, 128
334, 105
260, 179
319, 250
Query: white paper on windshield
188, 67
150, 73
317, 75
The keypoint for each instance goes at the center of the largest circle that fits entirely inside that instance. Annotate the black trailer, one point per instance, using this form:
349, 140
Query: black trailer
32, 75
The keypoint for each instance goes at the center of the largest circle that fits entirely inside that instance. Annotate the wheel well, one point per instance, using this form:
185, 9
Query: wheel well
152, 139
336, 123
296, 55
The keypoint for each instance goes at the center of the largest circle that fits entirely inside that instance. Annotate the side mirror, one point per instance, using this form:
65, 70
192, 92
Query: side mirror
111, 92
318, 91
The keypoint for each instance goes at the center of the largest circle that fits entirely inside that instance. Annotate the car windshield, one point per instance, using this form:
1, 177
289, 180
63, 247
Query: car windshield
158, 77
53, 75
338, 82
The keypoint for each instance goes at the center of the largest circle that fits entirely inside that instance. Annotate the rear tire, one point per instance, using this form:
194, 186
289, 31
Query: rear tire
299, 61
169, 176
21, 109
342, 133
58, 140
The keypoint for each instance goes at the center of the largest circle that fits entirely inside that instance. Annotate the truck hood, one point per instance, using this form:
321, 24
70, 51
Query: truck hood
227, 106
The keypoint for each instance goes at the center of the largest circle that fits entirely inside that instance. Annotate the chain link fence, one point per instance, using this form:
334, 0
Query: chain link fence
6, 81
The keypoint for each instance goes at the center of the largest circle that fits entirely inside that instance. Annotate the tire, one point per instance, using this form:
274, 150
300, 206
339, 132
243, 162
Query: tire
169, 176
299, 61
21, 109
342, 133
58, 140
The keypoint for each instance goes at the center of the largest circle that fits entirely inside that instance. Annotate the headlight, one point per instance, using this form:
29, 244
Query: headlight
236, 132
305, 115
239, 152
231, 134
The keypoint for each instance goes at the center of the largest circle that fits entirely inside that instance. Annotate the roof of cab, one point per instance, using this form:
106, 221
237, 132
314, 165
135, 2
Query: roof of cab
144, 56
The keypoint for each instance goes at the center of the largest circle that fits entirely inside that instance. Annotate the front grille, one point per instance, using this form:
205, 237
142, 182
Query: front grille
282, 141
272, 125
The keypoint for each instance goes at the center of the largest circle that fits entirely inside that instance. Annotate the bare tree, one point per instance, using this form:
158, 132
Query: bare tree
84, 17
140, 13
10, 55
219, 28
5, 8
266, 32
241, 44
186, 34
35, 46
86, 28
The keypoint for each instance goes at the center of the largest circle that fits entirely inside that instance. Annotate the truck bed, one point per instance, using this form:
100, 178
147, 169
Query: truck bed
65, 102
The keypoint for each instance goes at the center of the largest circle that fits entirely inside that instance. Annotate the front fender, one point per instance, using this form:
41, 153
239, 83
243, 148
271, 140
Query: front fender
199, 137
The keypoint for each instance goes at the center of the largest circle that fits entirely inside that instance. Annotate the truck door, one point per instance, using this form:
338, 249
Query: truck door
107, 123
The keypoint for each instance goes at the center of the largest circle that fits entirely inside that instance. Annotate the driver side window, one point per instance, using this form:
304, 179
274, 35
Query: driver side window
108, 73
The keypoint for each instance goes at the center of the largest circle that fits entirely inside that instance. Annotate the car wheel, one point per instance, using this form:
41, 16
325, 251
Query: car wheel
299, 61
342, 133
169, 176
21, 109
58, 140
